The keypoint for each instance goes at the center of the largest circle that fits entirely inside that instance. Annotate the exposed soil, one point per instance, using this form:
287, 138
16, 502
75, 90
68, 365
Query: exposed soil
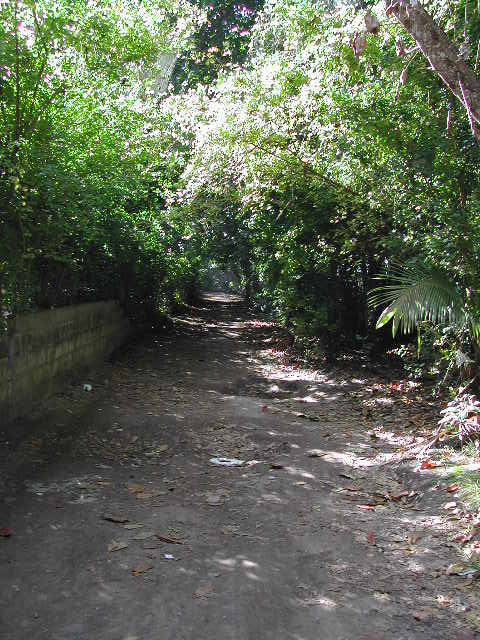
123, 528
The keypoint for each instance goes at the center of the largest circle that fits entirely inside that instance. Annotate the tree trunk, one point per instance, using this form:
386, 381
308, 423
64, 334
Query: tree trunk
443, 56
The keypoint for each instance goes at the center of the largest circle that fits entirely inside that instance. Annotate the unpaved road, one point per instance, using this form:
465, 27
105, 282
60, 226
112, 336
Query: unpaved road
313, 538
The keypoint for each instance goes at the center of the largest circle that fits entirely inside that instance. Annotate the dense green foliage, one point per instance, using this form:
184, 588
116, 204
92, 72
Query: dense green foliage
86, 158
319, 169
281, 154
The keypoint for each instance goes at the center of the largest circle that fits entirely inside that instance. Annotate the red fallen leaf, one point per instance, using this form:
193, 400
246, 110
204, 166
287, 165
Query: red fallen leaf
366, 507
428, 464
5, 533
371, 538
399, 496
452, 487
265, 408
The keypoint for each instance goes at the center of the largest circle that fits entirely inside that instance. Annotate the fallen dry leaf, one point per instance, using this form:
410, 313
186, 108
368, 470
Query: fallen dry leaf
5, 532
204, 591
366, 507
168, 539
371, 538
352, 487
398, 496
137, 571
133, 487
229, 530
443, 601
117, 546
134, 525
429, 464
454, 569
114, 518
452, 488
148, 495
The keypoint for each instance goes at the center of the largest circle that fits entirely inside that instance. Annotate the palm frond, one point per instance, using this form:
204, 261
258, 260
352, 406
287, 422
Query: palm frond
416, 294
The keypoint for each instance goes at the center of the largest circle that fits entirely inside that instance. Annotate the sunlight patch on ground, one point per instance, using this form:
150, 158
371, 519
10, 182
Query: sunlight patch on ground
252, 576
341, 457
294, 471
219, 296
308, 399
271, 497
240, 563
249, 564
317, 601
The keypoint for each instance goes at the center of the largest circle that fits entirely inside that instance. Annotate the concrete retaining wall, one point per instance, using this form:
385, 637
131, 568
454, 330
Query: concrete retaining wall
41, 352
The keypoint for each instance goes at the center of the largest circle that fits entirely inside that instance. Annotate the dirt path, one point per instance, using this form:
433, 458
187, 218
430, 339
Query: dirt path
123, 529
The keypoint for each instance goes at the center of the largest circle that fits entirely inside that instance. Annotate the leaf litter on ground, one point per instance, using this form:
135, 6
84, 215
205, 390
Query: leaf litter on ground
204, 591
370, 537
168, 539
116, 546
138, 571
143, 535
118, 519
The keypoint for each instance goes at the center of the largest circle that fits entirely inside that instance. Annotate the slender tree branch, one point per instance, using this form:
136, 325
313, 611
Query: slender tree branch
29, 116
469, 111
44, 45
36, 116
306, 168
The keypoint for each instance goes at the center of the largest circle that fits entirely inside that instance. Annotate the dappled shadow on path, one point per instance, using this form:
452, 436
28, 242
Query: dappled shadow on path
317, 533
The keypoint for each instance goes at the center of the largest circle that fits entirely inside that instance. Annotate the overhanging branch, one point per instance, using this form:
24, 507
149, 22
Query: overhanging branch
444, 57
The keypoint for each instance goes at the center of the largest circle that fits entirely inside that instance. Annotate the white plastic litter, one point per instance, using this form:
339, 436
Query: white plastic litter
227, 462
168, 556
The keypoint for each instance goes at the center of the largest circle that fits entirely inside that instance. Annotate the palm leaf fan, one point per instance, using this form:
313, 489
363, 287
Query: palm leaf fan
417, 294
